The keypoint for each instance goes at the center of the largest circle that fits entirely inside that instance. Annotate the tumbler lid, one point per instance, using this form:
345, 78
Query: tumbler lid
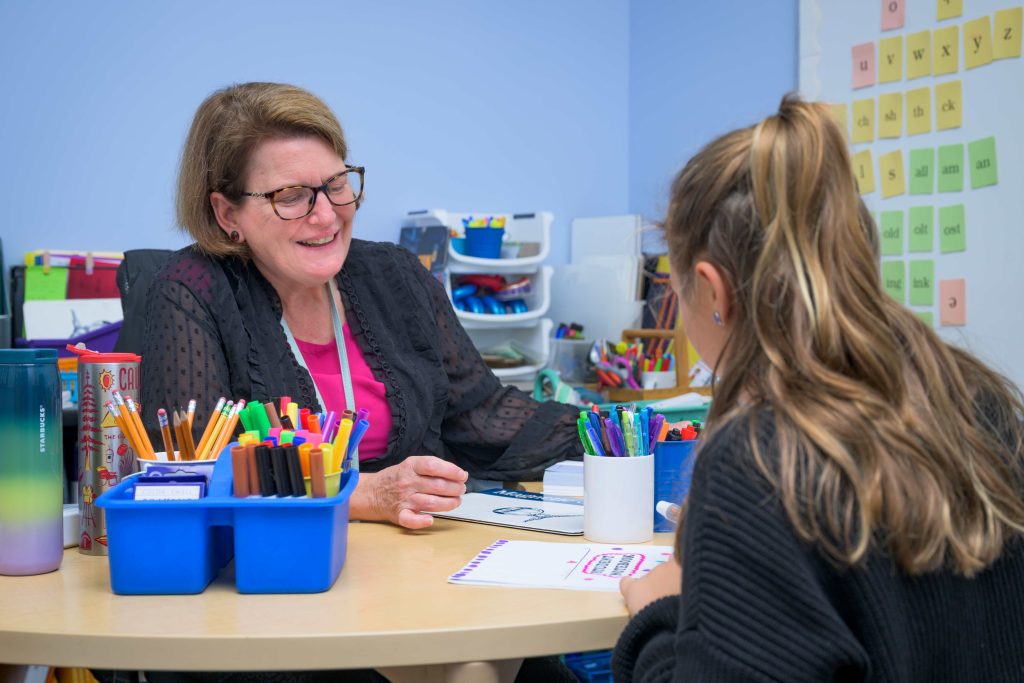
89, 356
27, 356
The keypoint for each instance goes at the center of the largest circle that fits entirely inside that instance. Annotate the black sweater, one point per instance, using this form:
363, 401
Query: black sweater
213, 328
760, 605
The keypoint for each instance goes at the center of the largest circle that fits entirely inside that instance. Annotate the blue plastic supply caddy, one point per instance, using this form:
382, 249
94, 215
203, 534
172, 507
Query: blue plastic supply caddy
280, 545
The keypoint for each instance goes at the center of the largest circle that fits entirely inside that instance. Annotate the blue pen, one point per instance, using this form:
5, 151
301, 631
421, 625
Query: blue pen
595, 421
620, 441
595, 440
645, 439
357, 435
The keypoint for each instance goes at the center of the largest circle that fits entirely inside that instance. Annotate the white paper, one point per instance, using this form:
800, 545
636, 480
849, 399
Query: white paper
520, 510
573, 566
65, 318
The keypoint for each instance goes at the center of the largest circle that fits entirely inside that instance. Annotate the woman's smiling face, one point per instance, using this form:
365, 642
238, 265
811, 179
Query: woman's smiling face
304, 252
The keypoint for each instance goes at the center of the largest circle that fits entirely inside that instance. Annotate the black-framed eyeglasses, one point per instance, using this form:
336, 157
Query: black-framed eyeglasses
297, 201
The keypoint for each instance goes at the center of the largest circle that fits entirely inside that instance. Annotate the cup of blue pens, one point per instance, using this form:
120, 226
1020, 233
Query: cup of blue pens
618, 474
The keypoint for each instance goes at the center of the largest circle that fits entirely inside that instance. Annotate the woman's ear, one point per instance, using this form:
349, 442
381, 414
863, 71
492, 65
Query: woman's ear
225, 211
718, 289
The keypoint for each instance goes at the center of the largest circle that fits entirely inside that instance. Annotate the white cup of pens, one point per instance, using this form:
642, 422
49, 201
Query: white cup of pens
618, 473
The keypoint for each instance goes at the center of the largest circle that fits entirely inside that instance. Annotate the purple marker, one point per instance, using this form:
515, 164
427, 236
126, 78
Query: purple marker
329, 423
659, 420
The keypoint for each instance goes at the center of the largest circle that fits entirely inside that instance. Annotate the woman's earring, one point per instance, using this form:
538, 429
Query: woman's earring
235, 237
717, 317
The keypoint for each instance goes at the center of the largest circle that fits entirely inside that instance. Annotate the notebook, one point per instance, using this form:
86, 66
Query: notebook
520, 510
573, 566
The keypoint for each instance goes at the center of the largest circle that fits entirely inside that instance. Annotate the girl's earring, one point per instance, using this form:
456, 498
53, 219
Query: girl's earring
235, 237
717, 317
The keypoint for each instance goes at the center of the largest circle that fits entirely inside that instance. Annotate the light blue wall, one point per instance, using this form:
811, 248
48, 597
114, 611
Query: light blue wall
578, 107
465, 105
697, 70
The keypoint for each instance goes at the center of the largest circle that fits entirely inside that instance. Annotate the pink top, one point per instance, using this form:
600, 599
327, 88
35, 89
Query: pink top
322, 362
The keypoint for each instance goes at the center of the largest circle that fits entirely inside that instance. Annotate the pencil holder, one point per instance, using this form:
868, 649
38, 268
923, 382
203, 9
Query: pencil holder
484, 242
673, 466
618, 495
279, 544
661, 379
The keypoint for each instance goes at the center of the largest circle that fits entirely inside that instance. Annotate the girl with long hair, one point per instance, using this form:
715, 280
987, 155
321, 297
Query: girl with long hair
856, 506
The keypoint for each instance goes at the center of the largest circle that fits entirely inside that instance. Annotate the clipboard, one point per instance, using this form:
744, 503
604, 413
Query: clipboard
520, 510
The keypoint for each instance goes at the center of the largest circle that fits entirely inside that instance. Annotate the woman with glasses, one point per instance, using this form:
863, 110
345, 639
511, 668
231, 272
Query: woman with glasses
856, 511
276, 298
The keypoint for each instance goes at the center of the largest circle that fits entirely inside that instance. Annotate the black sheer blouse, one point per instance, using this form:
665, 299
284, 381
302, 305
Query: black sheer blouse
213, 329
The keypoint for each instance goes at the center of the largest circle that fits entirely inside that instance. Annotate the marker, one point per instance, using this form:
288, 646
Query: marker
357, 435
669, 511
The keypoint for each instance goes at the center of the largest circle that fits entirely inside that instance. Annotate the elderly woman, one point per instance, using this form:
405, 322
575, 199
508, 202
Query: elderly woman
276, 298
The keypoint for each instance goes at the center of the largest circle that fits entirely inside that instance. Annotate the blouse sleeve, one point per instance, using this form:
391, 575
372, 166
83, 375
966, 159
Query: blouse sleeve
182, 357
494, 432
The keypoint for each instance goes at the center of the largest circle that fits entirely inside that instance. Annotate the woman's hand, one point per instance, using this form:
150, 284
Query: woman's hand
403, 493
665, 579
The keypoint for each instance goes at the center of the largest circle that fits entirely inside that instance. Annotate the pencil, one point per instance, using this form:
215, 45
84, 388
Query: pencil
176, 419
191, 414
215, 432
229, 429
127, 426
209, 425
136, 415
124, 428
165, 432
186, 431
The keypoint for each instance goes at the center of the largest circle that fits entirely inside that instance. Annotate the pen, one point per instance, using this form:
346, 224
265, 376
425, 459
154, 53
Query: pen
659, 420
584, 439
645, 438
613, 442
595, 440
357, 435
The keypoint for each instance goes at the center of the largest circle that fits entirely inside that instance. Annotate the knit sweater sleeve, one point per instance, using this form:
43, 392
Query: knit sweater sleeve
755, 604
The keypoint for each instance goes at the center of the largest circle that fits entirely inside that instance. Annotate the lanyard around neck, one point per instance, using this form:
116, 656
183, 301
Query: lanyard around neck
339, 342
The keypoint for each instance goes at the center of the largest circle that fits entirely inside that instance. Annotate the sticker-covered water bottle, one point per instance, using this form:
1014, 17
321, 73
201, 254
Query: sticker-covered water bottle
104, 453
31, 462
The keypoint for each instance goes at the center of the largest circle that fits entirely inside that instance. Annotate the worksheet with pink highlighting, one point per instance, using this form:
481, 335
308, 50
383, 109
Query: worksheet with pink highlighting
576, 566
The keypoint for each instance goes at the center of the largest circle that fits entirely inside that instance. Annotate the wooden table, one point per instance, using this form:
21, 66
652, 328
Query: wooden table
390, 609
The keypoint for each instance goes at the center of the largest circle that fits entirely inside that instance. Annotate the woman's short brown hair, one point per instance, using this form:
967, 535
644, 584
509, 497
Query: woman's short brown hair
226, 129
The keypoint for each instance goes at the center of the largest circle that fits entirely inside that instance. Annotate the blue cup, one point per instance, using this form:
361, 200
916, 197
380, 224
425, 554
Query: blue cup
673, 466
484, 242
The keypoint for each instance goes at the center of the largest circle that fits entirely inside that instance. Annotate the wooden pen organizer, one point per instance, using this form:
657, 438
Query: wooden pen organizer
280, 545
680, 343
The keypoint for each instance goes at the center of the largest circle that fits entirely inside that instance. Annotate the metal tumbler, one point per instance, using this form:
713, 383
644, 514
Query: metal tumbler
31, 462
105, 455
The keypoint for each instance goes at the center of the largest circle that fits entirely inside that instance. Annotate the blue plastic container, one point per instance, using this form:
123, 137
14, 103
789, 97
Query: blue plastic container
673, 467
484, 242
280, 545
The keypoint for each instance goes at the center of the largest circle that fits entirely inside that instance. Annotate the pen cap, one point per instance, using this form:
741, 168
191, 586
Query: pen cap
31, 459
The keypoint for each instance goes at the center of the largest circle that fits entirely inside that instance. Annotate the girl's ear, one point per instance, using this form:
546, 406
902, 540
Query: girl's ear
717, 287
225, 211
